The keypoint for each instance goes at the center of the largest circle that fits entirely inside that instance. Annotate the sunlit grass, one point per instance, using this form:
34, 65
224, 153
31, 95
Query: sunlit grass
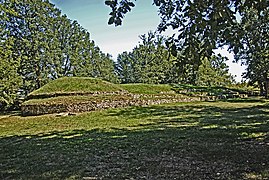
77, 85
148, 88
201, 140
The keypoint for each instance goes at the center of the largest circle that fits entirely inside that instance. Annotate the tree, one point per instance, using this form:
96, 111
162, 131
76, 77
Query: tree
10, 81
149, 62
214, 72
252, 48
210, 21
38, 44
152, 62
202, 26
31, 30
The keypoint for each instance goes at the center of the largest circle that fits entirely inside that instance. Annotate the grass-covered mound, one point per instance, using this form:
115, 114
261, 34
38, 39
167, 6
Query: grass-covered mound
148, 88
219, 92
75, 86
76, 94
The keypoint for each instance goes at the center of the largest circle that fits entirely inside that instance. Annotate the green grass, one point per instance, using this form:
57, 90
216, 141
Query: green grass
147, 88
76, 85
78, 89
205, 90
206, 140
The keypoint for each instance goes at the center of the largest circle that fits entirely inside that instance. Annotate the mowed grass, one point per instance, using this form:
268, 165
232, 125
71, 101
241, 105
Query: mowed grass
76, 85
203, 140
148, 88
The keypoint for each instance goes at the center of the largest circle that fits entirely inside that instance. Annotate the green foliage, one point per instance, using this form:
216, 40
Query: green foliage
10, 80
118, 10
252, 46
202, 26
214, 72
39, 44
149, 62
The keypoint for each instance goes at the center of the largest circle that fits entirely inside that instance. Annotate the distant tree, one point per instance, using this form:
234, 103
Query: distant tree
77, 54
202, 26
214, 72
10, 81
125, 68
149, 62
152, 62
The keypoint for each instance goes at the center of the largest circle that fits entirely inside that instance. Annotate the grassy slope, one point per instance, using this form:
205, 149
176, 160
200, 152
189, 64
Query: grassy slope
147, 88
67, 87
89, 85
207, 140
77, 84
203, 89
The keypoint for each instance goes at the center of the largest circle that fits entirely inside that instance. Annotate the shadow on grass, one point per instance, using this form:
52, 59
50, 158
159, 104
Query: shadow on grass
245, 100
9, 113
177, 142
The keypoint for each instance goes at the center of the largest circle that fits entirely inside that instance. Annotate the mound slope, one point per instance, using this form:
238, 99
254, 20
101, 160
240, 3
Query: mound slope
73, 94
79, 94
68, 86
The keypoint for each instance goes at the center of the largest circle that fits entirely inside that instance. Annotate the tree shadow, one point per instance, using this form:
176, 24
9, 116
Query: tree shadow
9, 113
245, 100
178, 142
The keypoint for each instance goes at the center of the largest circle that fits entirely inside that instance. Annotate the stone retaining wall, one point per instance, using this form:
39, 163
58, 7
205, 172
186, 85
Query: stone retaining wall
40, 109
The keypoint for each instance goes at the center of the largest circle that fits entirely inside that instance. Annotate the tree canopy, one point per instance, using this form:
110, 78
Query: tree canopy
252, 48
202, 26
39, 44
149, 62
152, 62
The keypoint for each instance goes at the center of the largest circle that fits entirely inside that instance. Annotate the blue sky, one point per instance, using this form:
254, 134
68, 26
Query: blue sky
93, 15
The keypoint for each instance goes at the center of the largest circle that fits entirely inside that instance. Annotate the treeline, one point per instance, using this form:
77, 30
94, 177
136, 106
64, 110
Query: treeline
152, 61
38, 44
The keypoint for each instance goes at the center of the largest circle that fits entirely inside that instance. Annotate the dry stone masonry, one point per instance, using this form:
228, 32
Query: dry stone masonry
77, 107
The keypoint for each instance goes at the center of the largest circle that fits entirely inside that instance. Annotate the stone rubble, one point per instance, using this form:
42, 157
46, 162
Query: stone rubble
77, 107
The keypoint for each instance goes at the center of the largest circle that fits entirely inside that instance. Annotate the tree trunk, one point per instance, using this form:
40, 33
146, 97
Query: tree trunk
266, 87
261, 88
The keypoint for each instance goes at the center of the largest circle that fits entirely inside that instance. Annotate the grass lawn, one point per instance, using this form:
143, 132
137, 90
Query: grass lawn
67, 85
204, 140
148, 88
